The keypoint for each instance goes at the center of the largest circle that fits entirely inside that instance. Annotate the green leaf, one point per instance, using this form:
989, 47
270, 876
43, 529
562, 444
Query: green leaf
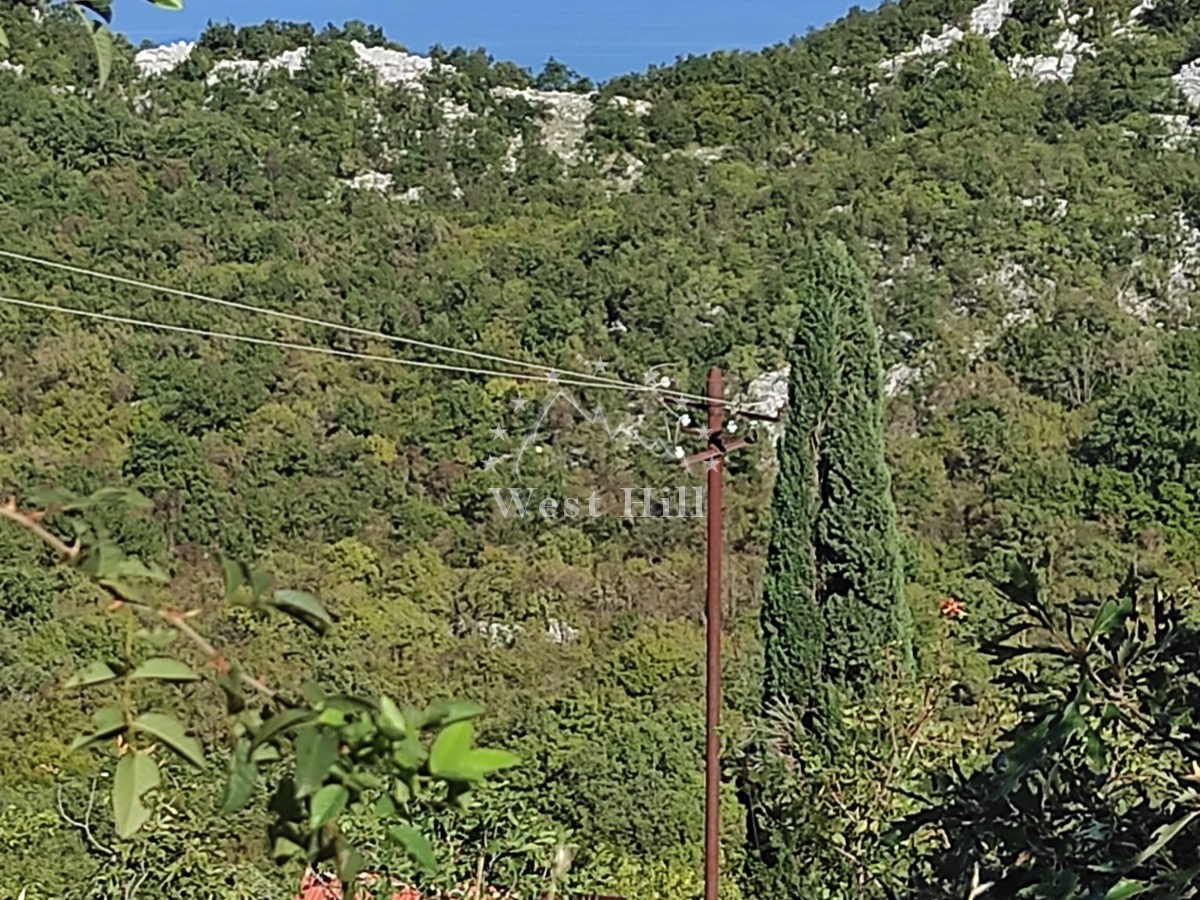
327, 805
349, 862
334, 718
385, 807
96, 673
447, 712
316, 752
135, 568
120, 496
260, 582
118, 572
231, 684
265, 753
348, 704
304, 607
409, 754
102, 8
172, 733
449, 751
136, 774
314, 694
1180, 882
281, 722
3, 39
391, 720
242, 775
162, 668
109, 722
159, 639
1164, 836
1123, 889
168, 4
365, 781
285, 849
1097, 754
1110, 615
416, 844
482, 762
233, 576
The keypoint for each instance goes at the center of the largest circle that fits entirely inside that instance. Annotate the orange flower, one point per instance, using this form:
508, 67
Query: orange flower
952, 609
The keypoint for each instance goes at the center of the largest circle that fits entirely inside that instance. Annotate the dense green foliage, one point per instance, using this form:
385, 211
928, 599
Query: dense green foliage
1018, 242
1096, 792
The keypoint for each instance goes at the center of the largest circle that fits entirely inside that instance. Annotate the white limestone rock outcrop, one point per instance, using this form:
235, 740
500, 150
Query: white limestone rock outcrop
637, 107
291, 60
986, 19
767, 395
395, 67
371, 181
1178, 130
1188, 82
160, 60
902, 377
1056, 66
989, 17
564, 117
928, 46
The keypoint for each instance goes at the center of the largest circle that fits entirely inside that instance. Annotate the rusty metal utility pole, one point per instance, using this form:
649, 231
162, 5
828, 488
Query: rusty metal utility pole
719, 448
712, 717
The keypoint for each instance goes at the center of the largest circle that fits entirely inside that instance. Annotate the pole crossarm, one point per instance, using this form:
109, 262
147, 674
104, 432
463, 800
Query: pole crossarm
716, 452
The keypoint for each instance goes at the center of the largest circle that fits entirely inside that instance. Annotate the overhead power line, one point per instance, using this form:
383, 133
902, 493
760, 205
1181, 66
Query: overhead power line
337, 326
326, 351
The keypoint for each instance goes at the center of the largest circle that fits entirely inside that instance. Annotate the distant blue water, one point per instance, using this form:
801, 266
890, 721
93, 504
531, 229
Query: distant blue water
597, 40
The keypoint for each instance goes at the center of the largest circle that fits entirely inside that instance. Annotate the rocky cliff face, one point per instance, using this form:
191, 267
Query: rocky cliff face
615, 136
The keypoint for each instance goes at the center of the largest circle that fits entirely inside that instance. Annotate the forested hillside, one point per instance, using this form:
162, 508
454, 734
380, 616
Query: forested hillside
1018, 179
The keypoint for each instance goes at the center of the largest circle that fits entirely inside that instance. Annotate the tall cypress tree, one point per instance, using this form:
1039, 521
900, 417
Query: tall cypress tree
833, 589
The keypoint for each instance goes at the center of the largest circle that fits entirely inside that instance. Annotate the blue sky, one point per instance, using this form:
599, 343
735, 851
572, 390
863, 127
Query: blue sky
598, 40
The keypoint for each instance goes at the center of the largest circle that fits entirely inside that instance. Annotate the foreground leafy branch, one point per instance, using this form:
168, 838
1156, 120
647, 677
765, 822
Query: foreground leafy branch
326, 755
1095, 793
98, 28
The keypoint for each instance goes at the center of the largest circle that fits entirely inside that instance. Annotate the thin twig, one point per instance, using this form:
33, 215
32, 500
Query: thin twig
85, 825
977, 889
218, 660
134, 886
31, 523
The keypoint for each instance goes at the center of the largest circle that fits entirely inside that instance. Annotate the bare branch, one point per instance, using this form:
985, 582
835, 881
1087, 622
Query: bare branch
84, 826
31, 522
